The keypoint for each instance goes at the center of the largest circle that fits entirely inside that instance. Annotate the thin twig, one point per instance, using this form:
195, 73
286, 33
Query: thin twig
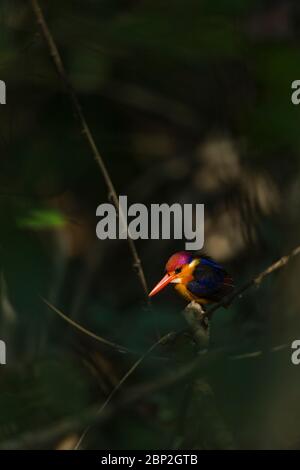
117, 347
87, 134
84, 330
162, 340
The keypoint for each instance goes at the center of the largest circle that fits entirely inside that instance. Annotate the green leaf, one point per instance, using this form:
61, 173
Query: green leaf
41, 219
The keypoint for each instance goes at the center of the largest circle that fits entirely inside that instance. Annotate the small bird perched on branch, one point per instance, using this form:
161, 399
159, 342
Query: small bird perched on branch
197, 277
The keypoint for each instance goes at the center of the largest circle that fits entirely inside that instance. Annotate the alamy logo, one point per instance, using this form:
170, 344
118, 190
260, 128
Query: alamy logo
152, 224
295, 356
2, 352
2, 92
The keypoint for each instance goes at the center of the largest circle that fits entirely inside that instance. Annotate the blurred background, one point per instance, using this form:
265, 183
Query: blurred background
189, 102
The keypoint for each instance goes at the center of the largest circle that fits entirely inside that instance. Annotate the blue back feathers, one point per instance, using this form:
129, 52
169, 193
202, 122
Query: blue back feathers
210, 281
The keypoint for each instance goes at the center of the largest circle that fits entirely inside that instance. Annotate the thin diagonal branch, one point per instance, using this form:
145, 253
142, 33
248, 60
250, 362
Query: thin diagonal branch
115, 346
86, 131
161, 341
84, 330
256, 281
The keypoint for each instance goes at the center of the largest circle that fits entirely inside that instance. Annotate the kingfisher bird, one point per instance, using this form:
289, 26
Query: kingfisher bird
197, 277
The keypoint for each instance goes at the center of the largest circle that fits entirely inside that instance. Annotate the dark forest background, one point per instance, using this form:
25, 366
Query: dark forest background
190, 102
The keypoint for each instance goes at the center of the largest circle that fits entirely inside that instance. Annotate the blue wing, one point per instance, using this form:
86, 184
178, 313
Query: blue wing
210, 281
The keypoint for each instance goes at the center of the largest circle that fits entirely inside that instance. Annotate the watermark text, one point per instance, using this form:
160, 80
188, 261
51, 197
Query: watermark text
2, 92
161, 221
2, 352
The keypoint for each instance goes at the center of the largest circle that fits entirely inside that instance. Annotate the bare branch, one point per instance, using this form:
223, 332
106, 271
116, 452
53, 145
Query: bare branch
162, 340
87, 332
87, 134
256, 281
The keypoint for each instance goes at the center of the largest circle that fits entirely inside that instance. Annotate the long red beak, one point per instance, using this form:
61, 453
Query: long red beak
163, 283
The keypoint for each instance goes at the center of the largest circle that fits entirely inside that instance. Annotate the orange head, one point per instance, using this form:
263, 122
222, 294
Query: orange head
179, 269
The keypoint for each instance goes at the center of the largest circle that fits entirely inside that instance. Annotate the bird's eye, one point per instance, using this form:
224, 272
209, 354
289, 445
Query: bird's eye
177, 270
